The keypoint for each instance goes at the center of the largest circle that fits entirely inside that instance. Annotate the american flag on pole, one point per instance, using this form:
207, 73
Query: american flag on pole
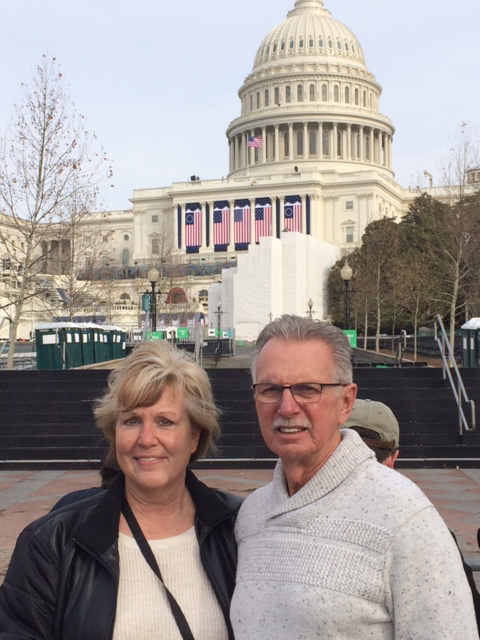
293, 213
221, 224
241, 224
263, 218
193, 226
254, 142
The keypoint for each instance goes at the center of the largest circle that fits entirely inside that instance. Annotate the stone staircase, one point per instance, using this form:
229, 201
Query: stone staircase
47, 419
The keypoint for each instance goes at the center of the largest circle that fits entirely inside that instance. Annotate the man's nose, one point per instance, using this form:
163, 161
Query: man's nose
288, 404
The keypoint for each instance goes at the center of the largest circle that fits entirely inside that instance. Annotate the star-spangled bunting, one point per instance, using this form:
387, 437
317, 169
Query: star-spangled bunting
193, 228
221, 226
241, 224
263, 221
293, 215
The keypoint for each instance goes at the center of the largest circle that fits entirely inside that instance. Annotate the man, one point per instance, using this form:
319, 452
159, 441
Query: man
378, 427
337, 547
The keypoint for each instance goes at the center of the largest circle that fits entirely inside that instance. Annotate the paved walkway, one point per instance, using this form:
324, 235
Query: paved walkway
26, 495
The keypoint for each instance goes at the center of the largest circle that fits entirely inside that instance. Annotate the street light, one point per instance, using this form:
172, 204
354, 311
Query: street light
311, 310
153, 276
219, 313
346, 274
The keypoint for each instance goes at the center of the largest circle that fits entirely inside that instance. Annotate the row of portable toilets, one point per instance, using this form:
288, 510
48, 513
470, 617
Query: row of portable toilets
65, 345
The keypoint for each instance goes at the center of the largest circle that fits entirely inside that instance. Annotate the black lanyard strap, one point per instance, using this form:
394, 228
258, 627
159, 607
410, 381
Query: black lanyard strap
153, 564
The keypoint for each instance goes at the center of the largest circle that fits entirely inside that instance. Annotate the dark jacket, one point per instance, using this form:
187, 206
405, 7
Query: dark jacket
63, 575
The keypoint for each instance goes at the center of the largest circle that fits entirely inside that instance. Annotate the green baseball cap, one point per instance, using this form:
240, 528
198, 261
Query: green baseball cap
377, 417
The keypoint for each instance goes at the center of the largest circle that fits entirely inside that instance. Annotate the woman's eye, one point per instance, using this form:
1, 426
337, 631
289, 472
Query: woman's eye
131, 421
164, 422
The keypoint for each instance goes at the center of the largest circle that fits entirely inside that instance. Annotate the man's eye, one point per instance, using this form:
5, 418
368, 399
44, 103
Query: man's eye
305, 390
270, 391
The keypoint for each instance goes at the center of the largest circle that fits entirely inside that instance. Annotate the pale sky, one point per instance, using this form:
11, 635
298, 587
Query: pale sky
157, 79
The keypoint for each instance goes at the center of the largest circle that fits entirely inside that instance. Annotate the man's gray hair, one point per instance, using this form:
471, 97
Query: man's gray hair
296, 328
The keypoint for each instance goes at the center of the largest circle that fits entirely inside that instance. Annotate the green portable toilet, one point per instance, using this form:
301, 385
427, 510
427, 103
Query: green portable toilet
119, 342
98, 343
76, 346
471, 342
47, 340
108, 341
87, 343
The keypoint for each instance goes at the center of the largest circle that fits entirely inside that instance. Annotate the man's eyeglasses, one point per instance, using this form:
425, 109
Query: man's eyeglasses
303, 392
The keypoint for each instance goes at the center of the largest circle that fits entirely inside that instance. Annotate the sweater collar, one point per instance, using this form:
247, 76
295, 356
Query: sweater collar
350, 453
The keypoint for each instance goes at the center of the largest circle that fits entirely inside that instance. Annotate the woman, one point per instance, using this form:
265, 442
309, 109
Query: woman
86, 571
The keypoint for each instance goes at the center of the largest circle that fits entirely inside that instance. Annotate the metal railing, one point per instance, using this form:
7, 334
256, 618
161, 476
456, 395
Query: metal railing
448, 366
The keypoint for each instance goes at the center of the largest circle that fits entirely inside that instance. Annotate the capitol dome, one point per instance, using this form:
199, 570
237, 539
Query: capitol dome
310, 102
309, 33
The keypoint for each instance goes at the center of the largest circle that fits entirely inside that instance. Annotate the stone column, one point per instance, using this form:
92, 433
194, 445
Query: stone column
277, 148
320, 137
264, 147
252, 221
371, 151
362, 143
334, 142
304, 216
349, 142
203, 246
290, 141
306, 150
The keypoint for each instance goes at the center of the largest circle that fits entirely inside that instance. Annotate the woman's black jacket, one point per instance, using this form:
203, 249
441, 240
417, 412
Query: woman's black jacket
63, 575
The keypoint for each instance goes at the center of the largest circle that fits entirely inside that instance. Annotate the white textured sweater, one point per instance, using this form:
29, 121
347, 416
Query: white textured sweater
358, 553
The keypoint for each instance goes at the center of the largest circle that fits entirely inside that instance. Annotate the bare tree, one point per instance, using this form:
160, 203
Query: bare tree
49, 166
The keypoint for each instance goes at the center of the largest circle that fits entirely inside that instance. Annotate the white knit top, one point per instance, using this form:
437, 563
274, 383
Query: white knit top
143, 612
358, 553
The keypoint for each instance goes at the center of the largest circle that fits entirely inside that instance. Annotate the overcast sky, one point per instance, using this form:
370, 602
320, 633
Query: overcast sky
158, 79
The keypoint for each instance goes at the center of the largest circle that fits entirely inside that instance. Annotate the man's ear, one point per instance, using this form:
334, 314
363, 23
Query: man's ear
349, 393
390, 461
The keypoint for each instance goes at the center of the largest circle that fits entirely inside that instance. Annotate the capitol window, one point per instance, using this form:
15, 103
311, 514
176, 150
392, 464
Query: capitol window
347, 95
154, 218
300, 44
320, 43
313, 142
349, 234
310, 43
346, 46
258, 99
292, 44
324, 93
336, 94
330, 44
312, 92
299, 143
282, 46
339, 45
267, 98
299, 93
274, 48
288, 96
349, 205
364, 98
356, 96
277, 95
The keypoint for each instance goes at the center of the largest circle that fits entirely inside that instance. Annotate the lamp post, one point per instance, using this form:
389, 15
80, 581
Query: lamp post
346, 274
219, 313
153, 276
311, 310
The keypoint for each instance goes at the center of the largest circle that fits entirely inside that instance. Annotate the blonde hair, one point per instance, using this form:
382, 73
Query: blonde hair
140, 381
